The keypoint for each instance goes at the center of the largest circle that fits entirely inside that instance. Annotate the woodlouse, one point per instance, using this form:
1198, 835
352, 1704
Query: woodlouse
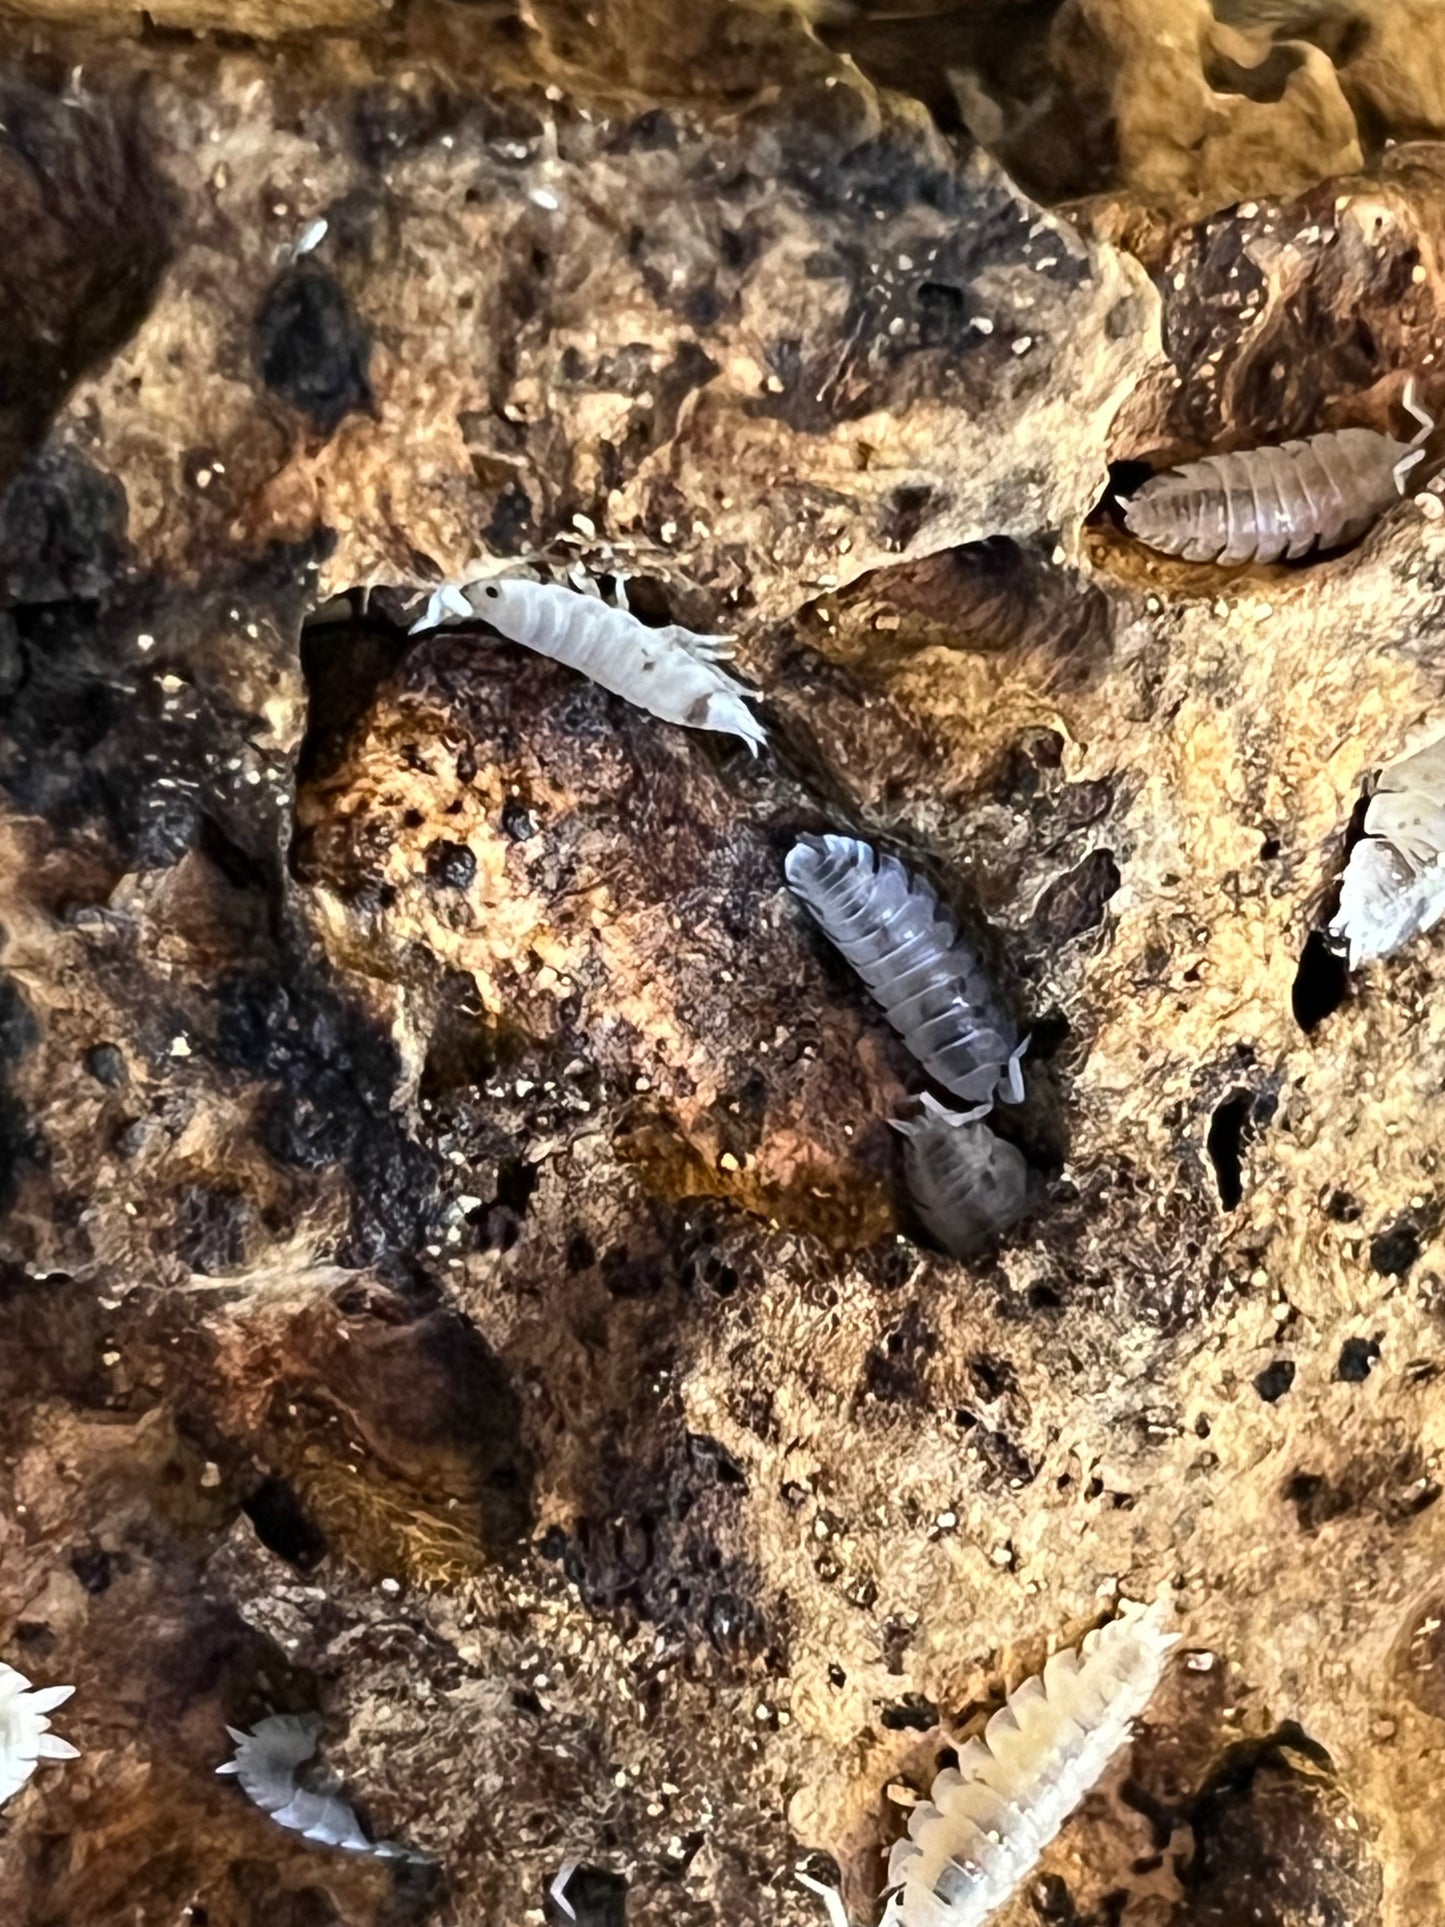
266, 1761
25, 1735
890, 927
989, 1818
967, 1183
1262, 503
671, 672
1394, 882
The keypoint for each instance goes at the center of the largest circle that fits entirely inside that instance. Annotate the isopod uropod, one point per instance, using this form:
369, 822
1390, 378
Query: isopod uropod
1262, 503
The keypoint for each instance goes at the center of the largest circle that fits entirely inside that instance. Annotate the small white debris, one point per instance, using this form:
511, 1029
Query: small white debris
145, 642
1023, 344
982, 324
179, 1047
544, 197
312, 237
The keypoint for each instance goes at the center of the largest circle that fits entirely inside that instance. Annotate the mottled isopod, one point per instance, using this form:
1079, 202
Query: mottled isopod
1262, 503
967, 1183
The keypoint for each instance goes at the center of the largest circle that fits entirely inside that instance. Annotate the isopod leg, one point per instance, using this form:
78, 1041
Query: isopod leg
831, 1899
1403, 466
1412, 407
557, 1892
446, 601
1015, 1076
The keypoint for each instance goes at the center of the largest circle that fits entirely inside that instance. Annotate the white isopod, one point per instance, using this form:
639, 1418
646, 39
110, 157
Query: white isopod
890, 927
1394, 882
25, 1735
1262, 503
671, 672
266, 1761
967, 1183
990, 1817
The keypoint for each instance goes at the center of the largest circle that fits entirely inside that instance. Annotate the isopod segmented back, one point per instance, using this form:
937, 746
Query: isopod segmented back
1259, 504
891, 927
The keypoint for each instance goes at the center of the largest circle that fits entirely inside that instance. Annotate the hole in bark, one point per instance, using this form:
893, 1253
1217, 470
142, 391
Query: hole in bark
1228, 1129
1321, 983
283, 1527
1393, 1251
1357, 1358
1265, 82
1275, 1380
312, 349
913, 1715
344, 664
1074, 903
516, 1181
1125, 479
594, 1897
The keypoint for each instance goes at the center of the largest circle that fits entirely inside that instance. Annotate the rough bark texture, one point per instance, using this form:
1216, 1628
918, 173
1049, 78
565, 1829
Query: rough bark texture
455, 1275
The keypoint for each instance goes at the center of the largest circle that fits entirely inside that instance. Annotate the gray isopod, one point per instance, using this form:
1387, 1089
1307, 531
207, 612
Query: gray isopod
1262, 503
967, 1183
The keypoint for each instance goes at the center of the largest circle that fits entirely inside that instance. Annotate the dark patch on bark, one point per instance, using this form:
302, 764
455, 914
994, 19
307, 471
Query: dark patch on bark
1075, 902
312, 348
85, 223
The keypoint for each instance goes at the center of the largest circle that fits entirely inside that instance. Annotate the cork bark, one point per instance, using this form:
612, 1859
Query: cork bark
455, 1271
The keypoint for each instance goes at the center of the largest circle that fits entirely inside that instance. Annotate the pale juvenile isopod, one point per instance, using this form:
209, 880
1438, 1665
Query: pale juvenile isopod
891, 928
25, 1735
968, 1184
1394, 881
1262, 503
990, 1818
266, 1761
671, 672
